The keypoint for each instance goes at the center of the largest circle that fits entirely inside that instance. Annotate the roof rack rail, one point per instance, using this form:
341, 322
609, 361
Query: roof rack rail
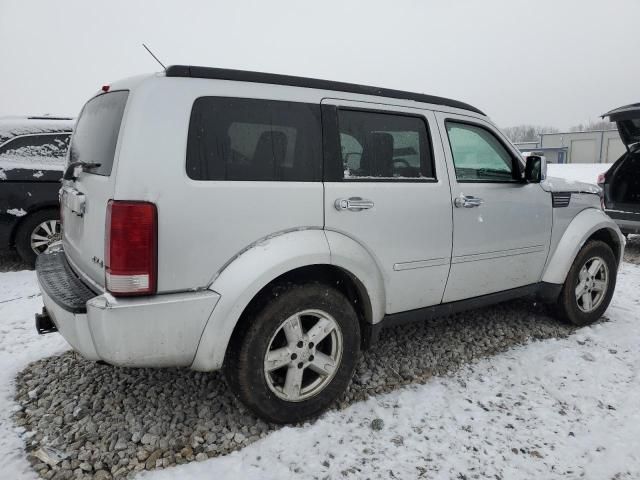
47, 117
293, 81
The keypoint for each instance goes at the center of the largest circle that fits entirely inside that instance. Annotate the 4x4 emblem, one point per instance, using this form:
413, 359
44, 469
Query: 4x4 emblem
98, 261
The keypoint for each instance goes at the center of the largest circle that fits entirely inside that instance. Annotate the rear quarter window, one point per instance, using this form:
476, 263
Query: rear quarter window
242, 139
96, 133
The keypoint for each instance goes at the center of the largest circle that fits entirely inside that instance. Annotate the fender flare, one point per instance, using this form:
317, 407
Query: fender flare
356, 260
581, 228
264, 261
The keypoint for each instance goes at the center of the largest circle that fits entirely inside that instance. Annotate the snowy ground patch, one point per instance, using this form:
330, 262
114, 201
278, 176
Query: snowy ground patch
580, 172
19, 345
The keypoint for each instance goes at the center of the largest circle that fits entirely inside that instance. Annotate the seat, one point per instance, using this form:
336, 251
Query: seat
377, 155
269, 155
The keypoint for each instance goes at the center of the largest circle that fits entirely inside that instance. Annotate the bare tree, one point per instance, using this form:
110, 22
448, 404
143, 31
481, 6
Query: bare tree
531, 133
527, 133
593, 125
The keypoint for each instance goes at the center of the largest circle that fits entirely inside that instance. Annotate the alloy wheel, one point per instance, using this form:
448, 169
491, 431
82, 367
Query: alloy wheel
45, 236
303, 355
593, 281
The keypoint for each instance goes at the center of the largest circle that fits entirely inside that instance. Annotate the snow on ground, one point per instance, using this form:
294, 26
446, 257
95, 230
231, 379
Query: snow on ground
563, 408
19, 345
580, 172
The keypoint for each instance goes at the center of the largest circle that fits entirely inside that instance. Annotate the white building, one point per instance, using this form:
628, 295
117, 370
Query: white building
599, 146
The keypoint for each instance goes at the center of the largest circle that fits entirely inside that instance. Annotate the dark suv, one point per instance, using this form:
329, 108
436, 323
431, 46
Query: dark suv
32, 159
621, 183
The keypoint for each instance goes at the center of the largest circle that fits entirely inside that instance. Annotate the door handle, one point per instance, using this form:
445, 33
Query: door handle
467, 201
353, 204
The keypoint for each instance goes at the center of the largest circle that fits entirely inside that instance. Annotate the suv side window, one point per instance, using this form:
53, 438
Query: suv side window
390, 146
32, 147
478, 156
254, 140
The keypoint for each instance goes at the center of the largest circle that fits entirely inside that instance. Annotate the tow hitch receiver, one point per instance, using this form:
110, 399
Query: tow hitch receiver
44, 324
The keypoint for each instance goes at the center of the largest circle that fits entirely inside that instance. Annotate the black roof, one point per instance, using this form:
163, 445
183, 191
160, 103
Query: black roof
259, 77
48, 117
623, 113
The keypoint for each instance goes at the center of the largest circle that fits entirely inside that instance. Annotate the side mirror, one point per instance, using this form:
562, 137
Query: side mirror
536, 169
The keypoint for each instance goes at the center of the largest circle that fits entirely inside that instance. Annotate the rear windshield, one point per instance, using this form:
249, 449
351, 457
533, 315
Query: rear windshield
96, 134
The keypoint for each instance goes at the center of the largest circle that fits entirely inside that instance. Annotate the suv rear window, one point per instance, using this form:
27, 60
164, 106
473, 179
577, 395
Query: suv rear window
96, 133
253, 140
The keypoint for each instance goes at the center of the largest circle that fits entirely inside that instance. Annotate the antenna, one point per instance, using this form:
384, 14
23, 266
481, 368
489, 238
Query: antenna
155, 58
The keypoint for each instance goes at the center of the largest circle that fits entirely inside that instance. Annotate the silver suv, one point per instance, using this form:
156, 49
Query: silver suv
271, 226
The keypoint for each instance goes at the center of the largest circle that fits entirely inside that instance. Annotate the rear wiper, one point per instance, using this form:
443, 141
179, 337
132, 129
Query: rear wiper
74, 168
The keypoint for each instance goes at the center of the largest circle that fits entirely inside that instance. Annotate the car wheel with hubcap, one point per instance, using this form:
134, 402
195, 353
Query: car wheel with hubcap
38, 233
296, 354
589, 285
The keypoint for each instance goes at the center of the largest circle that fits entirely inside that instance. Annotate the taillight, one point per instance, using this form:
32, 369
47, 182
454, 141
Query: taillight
131, 248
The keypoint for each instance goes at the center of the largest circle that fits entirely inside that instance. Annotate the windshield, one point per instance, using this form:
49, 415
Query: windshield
96, 133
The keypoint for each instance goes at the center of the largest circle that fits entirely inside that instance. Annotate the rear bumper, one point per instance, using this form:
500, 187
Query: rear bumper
157, 331
628, 222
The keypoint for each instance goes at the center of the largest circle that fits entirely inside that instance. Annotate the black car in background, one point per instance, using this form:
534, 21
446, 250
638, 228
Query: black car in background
32, 160
621, 183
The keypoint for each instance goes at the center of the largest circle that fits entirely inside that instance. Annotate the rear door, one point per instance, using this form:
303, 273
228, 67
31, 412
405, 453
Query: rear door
502, 226
386, 187
84, 201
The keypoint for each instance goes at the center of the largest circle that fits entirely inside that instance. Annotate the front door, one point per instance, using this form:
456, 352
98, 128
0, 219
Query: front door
387, 188
502, 226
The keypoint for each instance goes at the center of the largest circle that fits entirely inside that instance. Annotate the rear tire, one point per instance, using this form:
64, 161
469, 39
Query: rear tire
273, 364
38, 231
589, 285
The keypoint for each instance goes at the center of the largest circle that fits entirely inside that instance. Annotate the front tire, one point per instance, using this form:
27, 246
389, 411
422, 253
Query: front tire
296, 354
589, 285
37, 234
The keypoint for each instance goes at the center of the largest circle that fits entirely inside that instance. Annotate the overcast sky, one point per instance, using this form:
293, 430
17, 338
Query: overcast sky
550, 62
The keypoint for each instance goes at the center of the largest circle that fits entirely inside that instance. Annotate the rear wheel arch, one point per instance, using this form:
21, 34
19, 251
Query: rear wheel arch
325, 274
300, 256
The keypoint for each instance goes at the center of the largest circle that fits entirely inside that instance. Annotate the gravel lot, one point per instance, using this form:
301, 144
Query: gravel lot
86, 420
107, 422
